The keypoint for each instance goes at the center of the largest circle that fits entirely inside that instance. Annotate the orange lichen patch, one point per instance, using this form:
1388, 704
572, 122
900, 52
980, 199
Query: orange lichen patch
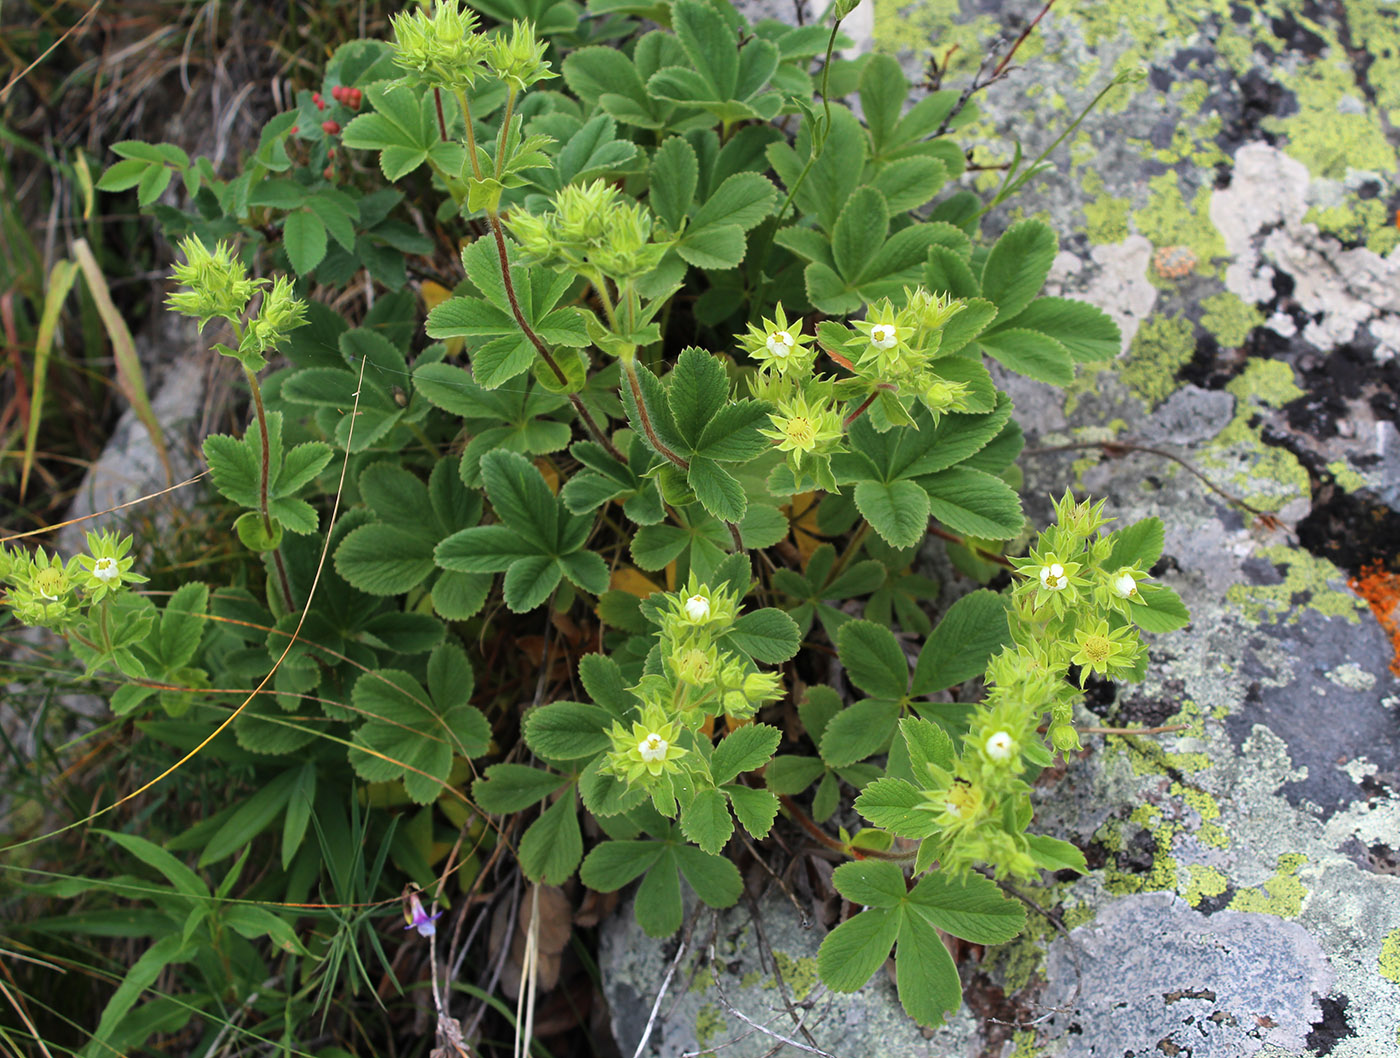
1381, 589
1174, 262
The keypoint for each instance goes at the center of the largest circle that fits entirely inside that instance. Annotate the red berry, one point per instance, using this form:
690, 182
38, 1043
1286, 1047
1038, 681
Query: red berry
316, 98
320, 104
295, 129
355, 96
328, 173
335, 92
330, 153
330, 127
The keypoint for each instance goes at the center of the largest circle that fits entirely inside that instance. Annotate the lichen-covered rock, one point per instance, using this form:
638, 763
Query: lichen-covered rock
1236, 213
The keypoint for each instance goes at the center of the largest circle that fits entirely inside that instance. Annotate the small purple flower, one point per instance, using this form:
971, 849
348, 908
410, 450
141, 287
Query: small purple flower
418, 918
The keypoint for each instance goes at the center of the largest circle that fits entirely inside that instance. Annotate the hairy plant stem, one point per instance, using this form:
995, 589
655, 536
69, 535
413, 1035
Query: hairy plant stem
630, 369
806, 823
264, 475
442, 122
849, 419
494, 220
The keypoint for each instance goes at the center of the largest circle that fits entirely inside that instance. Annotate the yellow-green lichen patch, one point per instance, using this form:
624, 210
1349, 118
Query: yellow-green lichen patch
799, 975
1313, 581
1161, 347
1169, 220
1335, 130
1229, 318
709, 1023
1019, 961
1345, 477
1390, 957
1203, 881
1210, 832
1106, 219
750, 979
1162, 874
1265, 382
1281, 895
1027, 1044
1355, 219
935, 25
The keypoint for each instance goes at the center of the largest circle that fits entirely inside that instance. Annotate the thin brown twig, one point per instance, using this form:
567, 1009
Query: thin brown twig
1115, 448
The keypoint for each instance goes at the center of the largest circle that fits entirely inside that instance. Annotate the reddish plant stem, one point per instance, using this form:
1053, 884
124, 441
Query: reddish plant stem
442, 122
645, 416
262, 485
805, 822
846, 422
540, 347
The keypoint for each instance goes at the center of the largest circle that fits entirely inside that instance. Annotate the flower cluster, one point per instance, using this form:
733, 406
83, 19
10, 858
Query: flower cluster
593, 229
42, 589
216, 283
1072, 608
439, 46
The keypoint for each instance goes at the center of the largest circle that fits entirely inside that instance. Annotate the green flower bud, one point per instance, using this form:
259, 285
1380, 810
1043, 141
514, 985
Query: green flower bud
441, 48
216, 283
281, 313
519, 61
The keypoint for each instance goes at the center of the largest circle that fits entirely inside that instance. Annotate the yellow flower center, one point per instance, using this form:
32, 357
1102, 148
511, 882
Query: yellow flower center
105, 569
779, 344
800, 431
1097, 649
51, 583
883, 336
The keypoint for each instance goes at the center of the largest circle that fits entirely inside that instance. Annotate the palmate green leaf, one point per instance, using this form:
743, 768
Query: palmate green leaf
675, 172
873, 659
413, 733
182, 624
974, 628
521, 498
706, 820
743, 749
608, 78
714, 248
1087, 332
827, 291
718, 491
972, 908
896, 806
1017, 267
768, 635
860, 232
568, 730
1030, 353
1138, 544
304, 238
403, 128
755, 809
792, 775
612, 864
897, 510
858, 731
909, 183
553, 845
973, 503
510, 788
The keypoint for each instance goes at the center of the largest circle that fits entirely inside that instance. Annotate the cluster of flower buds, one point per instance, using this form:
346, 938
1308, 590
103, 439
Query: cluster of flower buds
43, 590
215, 283
439, 46
593, 229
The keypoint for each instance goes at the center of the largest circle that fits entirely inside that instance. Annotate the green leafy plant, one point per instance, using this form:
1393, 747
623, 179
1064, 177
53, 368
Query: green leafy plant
677, 292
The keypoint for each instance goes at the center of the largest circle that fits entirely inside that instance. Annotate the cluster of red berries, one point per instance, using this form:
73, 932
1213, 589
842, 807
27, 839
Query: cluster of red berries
351, 97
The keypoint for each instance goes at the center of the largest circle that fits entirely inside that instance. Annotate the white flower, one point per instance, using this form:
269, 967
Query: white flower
953, 808
1000, 746
883, 336
1052, 577
653, 747
780, 344
1125, 585
105, 569
697, 608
